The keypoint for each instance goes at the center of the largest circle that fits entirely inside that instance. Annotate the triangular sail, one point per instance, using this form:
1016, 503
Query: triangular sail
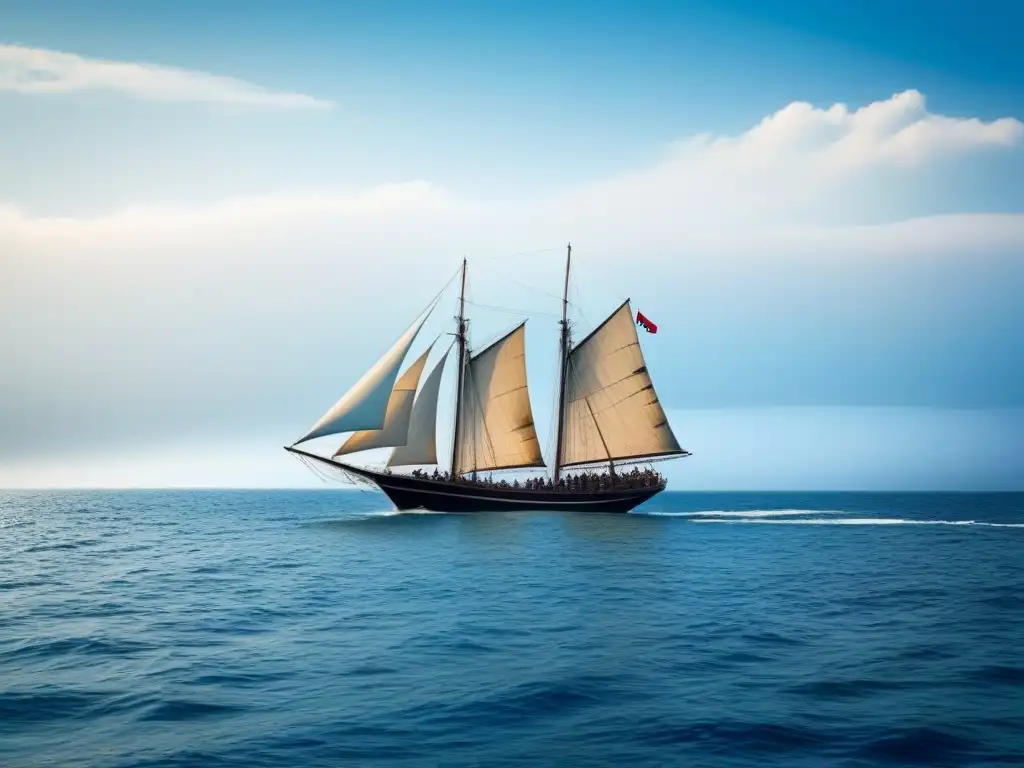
396, 420
611, 411
496, 417
365, 405
421, 445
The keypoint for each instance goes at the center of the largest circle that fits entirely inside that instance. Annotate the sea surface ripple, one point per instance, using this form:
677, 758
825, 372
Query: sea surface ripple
291, 628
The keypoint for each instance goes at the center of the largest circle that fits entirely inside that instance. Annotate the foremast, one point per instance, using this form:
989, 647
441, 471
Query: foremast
460, 376
563, 367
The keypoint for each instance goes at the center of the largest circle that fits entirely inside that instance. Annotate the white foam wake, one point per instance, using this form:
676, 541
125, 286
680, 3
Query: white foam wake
727, 513
398, 512
858, 521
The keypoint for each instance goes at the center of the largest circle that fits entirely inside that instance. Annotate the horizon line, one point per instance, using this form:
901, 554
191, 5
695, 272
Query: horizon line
363, 490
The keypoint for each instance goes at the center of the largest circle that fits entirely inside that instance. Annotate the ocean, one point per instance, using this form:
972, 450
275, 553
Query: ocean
319, 628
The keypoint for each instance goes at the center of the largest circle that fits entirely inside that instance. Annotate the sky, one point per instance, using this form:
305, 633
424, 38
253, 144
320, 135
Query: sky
215, 217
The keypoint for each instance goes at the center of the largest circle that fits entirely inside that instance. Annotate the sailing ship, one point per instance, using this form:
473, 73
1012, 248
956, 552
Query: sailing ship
608, 416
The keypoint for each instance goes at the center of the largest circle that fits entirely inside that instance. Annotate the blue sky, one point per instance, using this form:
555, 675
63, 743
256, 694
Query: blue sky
536, 96
183, 253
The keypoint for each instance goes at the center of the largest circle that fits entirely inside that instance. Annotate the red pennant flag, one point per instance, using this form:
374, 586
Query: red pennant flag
644, 323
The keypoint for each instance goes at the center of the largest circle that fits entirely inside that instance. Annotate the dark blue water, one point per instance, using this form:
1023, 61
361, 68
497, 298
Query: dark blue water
317, 629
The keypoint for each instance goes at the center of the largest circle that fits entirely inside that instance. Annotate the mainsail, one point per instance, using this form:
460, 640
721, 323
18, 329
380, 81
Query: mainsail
495, 414
421, 444
611, 409
396, 420
364, 406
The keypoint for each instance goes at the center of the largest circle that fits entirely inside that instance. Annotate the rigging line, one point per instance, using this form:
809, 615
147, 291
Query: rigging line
521, 253
438, 295
511, 310
306, 463
526, 285
578, 303
324, 475
495, 338
573, 299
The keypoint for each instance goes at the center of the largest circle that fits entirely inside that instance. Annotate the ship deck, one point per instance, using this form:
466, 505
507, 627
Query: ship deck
408, 492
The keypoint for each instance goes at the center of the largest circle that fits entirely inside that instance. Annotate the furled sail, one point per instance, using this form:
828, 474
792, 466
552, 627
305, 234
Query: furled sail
365, 405
421, 445
496, 421
611, 409
396, 420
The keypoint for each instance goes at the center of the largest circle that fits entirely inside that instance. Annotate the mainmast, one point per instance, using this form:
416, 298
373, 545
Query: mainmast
563, 366
460, 336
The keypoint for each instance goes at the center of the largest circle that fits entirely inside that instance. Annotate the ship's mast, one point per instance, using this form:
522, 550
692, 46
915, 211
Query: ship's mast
563, 366
460, 376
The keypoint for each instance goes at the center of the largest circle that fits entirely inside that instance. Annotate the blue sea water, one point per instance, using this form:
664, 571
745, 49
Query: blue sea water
288, 628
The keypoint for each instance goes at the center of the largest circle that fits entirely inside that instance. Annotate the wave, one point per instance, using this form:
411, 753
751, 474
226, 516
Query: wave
15, 522
46, 648
374, 516
365, 514
745, 513
184, 710
920, 746
394, 512
857, 521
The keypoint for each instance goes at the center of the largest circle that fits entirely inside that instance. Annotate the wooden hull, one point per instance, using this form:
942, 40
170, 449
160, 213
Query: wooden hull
408, 492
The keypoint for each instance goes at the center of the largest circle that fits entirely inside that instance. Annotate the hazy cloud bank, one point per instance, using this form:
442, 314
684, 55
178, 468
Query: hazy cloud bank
40, 71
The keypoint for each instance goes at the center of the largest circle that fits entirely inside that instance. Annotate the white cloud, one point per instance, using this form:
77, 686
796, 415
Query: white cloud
801, 166
897, 131
799, 179
376, 207
42, 71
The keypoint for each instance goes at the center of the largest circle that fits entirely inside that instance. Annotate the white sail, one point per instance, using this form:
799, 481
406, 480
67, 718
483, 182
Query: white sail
611, 409
396, 420
496, 421
421, 445
365, 405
